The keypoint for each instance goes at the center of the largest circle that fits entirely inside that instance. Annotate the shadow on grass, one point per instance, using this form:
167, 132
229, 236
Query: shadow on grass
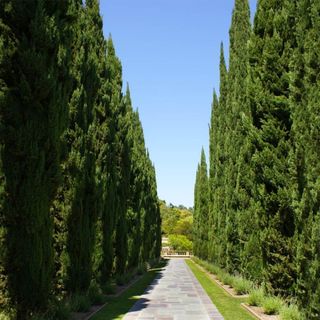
117, 307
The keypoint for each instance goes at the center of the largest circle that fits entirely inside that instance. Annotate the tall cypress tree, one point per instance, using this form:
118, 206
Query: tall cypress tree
305, 155
34, 75
123, 187
137, 174
271, 49
107, 159
150, 215
75, 207
214, 149
236, 104
218, 185
202, 208
196, 217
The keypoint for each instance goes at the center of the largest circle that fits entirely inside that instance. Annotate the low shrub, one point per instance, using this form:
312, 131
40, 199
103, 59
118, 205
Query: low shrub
290, 312
120, 279
79, 303
142, 268
108, 288
128, 277
94, 293
226, 278
241, 285
57, 310
60, 310
272, 305
256, 297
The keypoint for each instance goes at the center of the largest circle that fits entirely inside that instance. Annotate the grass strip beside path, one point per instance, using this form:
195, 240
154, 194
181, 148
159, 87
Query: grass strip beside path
117, 307
229, 307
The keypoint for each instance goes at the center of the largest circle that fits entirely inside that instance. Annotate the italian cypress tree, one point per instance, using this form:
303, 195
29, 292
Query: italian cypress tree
305, 155
202, 207
214, 168
271, 49
111, 96
35, 86
148, 212
236, 104
3, 277
154, 209
196, 217
138, 154
219, 192
121, 165
75, 208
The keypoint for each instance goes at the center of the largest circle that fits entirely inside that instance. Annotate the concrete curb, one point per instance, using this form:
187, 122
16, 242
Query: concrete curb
260, 317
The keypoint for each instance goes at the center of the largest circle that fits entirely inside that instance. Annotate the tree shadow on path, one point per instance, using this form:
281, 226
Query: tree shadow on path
117, 307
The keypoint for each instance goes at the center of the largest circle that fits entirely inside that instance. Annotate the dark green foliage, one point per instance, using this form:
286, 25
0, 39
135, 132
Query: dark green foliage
305, 156
83, 215
264, 152
34, 54
107, 166
79, 303
137, 175
78, 195
201, 210
271, 49
218, 159
236, 107
122, 167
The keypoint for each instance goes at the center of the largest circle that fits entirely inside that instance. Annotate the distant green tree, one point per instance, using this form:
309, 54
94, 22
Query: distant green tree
180, 242
201, 208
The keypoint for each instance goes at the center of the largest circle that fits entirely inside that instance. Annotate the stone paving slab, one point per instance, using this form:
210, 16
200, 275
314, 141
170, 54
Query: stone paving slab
175, 294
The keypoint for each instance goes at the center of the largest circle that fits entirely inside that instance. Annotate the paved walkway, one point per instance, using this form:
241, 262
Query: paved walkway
174, 295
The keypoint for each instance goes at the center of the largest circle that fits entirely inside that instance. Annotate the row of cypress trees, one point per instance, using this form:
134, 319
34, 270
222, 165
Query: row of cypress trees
78, 197
262, 219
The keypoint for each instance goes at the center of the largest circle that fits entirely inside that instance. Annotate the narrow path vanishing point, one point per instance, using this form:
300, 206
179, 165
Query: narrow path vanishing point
175, 294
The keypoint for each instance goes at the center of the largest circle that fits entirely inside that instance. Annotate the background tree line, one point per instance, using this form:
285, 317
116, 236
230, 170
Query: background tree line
78, 195
257, 212
177, 224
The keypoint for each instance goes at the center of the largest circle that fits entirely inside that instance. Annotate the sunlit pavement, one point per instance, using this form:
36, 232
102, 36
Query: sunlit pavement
174, 295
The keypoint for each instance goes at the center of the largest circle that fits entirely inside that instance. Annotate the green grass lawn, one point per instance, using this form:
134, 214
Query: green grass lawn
117, 307
228, 306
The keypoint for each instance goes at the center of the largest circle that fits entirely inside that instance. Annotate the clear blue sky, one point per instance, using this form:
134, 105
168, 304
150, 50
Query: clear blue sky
169, 51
